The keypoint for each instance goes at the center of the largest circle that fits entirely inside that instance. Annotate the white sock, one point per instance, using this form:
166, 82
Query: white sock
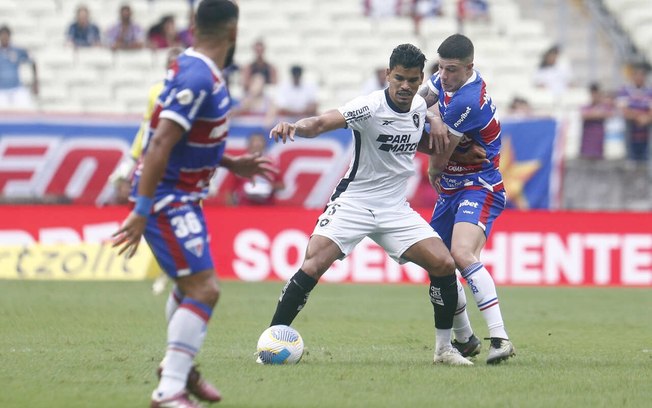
442, 340
462, 329
484, 292
186, 332
174, 300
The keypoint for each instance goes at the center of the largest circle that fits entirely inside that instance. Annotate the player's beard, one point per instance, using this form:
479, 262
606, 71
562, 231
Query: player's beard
228, 61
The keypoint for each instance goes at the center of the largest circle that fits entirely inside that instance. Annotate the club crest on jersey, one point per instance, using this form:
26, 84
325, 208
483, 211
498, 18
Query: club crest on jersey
195, 245
185, 96
415, 120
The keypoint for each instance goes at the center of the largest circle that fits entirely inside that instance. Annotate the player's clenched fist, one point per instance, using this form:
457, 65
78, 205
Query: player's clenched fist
283, 130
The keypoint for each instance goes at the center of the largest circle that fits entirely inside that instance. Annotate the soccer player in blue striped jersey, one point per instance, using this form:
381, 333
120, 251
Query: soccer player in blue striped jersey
471, 196
188, 133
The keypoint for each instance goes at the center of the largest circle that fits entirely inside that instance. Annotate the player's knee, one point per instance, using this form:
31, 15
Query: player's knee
213, 291
206, 291
314, 267
462, 255
442, 266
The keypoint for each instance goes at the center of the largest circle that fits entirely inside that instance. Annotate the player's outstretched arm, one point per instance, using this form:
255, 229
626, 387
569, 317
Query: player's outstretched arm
309, 127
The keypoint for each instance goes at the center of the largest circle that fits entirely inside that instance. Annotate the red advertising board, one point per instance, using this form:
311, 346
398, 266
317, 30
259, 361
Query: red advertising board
255, 244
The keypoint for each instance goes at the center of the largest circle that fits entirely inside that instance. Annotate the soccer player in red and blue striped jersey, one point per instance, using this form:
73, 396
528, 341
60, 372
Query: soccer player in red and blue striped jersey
188, 133
471, 196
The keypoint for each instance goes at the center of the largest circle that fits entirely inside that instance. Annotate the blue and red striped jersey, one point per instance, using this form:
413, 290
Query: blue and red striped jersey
194, 96
470, 114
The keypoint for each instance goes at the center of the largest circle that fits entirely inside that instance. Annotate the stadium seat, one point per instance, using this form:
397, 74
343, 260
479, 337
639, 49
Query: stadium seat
95, 57
134, 58
333, 40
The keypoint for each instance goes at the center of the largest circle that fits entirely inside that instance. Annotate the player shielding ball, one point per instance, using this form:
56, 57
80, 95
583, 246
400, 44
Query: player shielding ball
188, 131
370, 200
471, 196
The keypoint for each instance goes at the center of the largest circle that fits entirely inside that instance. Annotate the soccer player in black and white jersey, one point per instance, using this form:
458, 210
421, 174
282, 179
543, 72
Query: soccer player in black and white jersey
370, 200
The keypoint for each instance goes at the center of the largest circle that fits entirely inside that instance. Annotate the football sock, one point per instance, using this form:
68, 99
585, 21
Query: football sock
443, 296
442, 340
186, 332
462, 329
293, 298
484, 292
174, 300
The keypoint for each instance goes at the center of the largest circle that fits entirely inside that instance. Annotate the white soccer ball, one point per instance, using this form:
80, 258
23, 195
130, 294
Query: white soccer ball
279, 345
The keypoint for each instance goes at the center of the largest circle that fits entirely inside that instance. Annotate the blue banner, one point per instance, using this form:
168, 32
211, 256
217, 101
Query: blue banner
527, 162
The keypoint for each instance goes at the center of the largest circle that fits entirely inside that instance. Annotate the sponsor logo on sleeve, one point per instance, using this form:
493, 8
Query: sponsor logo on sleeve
357, 115
185, 97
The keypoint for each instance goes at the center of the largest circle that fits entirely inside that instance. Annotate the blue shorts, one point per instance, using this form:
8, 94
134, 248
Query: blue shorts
178, 238
479, 207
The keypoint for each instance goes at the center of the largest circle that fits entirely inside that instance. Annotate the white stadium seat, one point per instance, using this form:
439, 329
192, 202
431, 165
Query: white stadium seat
333, 40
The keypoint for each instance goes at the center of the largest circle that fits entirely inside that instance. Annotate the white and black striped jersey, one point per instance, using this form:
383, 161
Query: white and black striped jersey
385, 142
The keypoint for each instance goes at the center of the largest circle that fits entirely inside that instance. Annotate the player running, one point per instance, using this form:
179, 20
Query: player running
188, 136
470, 196
370, 201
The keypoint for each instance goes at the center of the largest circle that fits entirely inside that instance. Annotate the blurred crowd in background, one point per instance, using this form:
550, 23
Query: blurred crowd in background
614, 112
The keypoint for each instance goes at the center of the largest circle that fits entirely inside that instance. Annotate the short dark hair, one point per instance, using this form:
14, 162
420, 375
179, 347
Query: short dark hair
408, 56
457, 46
296, 70
212, 15
5, 29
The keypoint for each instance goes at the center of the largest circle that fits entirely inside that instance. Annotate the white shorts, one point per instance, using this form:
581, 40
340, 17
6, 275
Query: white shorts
395, 229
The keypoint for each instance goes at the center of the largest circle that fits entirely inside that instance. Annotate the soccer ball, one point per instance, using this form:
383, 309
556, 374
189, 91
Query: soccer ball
279, 345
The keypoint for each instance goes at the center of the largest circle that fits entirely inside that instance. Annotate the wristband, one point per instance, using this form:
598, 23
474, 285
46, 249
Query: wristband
143, 205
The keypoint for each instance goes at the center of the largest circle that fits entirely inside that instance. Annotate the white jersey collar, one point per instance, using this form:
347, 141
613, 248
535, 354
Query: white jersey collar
193, 53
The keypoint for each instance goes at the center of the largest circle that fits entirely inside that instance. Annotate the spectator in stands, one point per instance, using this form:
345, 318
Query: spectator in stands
82, 32
376, 82
519, 107
296, 98
594, 118
387, 8
258, 66
472, 10
554, 73
126, 34
164, 34
256, 102
13, 94
185, 35
257, 190
635, 101
425, 8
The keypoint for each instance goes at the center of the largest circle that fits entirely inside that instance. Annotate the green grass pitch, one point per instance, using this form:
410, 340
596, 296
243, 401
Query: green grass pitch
89, 344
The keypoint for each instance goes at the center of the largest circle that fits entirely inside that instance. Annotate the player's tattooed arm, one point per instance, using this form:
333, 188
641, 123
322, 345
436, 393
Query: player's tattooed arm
426, 93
